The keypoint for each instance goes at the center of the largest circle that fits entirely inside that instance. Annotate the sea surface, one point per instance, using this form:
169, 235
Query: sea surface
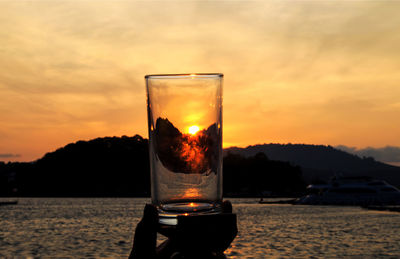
104, 227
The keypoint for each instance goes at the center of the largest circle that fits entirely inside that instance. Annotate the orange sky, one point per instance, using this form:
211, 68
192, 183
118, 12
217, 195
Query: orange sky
314, 72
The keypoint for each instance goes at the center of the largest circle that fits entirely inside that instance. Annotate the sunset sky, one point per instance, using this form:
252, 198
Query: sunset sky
315, 72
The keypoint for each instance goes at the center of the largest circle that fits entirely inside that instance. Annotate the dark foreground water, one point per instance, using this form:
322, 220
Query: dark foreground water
104, 227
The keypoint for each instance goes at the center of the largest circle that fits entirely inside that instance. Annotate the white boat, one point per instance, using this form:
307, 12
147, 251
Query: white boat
362, 191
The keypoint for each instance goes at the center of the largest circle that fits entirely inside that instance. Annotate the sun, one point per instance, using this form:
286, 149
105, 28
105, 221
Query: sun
193, 129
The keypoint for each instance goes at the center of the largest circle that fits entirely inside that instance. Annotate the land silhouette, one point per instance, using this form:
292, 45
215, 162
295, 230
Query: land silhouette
119, 167
186, 153
320, 163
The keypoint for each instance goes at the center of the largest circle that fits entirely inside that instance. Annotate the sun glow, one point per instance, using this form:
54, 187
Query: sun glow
193, 129
191, 193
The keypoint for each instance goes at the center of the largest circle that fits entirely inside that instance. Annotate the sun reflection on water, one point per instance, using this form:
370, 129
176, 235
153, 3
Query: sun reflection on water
191, 193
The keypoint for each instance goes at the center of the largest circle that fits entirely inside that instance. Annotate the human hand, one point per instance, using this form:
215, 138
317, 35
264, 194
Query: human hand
202, 236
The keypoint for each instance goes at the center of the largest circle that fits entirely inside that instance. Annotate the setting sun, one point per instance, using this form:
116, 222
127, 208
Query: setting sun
193, 129
71, 94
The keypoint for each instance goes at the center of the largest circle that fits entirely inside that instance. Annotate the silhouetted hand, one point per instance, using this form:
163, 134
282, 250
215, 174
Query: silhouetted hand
202, 236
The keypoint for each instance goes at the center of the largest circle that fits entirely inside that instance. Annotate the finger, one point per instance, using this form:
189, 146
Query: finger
150, 217
226, 206
144, 244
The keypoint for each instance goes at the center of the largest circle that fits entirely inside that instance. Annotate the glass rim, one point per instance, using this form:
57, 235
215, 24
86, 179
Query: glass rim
175, 76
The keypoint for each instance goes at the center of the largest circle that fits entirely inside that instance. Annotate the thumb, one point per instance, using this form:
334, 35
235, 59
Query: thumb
144, 242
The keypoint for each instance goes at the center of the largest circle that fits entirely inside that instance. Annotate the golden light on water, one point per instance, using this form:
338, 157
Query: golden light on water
193, 129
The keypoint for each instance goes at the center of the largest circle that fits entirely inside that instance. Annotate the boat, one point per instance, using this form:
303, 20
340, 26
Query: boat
357, 191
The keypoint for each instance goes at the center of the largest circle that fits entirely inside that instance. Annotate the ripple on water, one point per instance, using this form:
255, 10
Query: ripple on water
43, 227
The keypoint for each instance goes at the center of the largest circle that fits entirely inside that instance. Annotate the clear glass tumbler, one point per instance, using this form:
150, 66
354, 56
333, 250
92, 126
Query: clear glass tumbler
185, 144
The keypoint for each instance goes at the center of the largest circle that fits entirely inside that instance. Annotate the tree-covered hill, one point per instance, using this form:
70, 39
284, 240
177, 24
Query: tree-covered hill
119, 166
319, 163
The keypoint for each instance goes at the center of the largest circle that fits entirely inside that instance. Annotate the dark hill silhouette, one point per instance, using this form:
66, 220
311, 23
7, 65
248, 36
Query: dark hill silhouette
319, 162
186, 153
257, 174
109, 166
119, 166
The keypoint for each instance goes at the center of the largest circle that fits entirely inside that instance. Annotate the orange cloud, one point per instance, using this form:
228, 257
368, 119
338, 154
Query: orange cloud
307, 71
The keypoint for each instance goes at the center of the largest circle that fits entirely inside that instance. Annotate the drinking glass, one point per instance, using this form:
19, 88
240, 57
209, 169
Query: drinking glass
185, 144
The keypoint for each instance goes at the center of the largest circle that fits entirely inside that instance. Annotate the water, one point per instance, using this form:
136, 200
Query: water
104, 227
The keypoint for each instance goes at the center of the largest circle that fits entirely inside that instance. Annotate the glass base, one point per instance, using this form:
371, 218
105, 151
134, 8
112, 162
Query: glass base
168, 213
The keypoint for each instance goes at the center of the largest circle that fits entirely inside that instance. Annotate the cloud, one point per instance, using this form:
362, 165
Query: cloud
9, 155
385, 154
305, 71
